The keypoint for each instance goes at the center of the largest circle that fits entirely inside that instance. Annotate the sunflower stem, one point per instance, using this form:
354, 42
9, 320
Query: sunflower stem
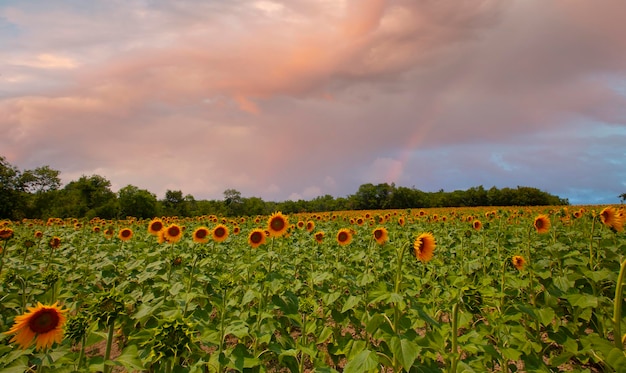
222, 331
193, 267
454, 349
617, 307
593, 224
49, 257
81, 354
4, 250
107, 352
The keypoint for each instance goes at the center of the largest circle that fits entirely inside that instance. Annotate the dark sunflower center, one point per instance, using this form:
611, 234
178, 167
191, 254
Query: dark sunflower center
44, 321
343, 237
277, 224
378, 234
256, 237
173, 231
126, 233
539, 224
156, 226
202, 233
220, 232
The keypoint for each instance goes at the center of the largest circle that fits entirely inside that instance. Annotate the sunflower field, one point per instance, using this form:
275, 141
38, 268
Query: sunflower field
432, 290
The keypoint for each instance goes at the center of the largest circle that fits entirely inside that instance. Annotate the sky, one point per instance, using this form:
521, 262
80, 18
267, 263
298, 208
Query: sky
296, 99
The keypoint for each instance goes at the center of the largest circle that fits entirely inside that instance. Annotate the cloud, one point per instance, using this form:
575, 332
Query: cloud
303, 97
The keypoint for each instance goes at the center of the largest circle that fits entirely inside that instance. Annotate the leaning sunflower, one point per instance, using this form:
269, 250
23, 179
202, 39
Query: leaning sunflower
201, 235
220, 233
612, 218
381, 235
424, 247
477, 225
319, 237
344, 236
277, 224
42, 324
256, 238
518, 262
542, 224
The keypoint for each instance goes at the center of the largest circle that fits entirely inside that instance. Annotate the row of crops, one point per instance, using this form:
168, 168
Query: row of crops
453, 290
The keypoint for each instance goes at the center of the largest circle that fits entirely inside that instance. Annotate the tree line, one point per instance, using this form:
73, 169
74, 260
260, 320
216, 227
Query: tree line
39, 194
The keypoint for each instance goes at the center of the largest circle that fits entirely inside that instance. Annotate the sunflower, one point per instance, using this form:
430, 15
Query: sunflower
612, 218
108, 233
518, 262
256, 238
155, 226
220, 233
310, 225
424, 246
344, 236
55, 242
319, 237
125, 234
477, 225
38, 234
43, 324
277, 224
95, 229
6, 233
380, 235
236, 229
173, 233
401, 221
300, 224
542, 224
201, 235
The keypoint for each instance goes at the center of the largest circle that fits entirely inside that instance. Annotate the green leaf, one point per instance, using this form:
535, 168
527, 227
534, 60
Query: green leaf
352, 301
404, 351
129, 359
582, 300
365, 361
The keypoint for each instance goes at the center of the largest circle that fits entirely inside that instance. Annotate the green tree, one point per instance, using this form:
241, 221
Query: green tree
40, 180
622, 197
11, 191
136, 202
233, 202
89, 196
175, 204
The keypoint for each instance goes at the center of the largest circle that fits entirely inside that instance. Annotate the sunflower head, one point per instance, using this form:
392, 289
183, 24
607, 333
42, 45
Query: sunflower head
612, 218
108, 308
310, 225
381, 235
220, 233
542, 224
76, 327
256, 238
319, 236
201, 235
125, 234
518, 262
55, 242
6, 233
277, 224
155, 226
344, 236
424, 247
42, 324
173, 338
477, 225
173, 233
